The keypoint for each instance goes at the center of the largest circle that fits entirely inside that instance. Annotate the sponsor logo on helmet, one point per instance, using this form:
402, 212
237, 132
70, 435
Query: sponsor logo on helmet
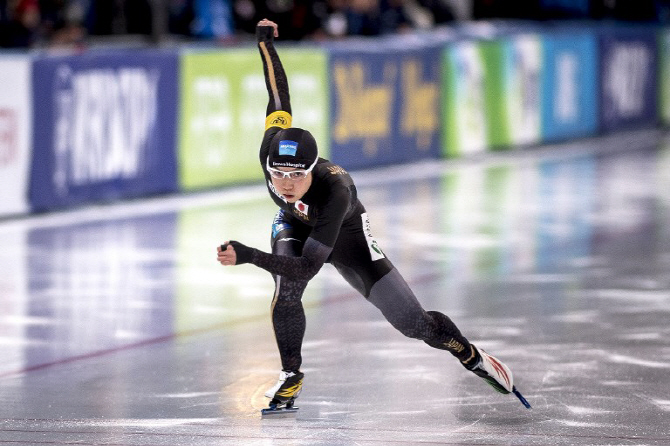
288, 164
288, 147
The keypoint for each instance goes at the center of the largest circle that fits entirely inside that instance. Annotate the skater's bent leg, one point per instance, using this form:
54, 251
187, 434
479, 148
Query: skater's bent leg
288, 315
400, 307
288, 321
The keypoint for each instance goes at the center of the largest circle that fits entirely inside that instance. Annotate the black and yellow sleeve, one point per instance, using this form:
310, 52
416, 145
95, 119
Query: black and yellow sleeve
279, 105
278, 119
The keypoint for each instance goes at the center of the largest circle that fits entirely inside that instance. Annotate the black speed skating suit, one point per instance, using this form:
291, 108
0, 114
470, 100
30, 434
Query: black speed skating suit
329, 225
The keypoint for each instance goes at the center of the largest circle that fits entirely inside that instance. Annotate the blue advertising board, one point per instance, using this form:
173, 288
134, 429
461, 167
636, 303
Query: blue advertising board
385, 106
628, 73
104, 127
570, 85
522, 92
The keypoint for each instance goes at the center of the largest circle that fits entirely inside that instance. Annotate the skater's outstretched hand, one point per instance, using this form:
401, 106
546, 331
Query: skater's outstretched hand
227, 256
234, 253
266, 22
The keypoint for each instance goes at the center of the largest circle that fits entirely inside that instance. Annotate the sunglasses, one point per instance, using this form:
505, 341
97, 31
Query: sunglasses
294, 175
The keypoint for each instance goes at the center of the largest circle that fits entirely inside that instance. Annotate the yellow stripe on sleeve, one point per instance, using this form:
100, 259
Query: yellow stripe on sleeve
280, 118
271, 74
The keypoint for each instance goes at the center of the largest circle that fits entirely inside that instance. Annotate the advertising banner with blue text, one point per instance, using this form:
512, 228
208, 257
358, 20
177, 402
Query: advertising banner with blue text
385, 106
105, 127
570, 85
628, 95
15, 133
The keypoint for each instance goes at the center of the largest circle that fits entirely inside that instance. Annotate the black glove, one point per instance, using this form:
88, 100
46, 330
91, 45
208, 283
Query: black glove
243, 252
265, 33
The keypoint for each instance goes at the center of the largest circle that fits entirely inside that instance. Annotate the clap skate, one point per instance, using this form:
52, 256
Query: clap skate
284, 393
497, 374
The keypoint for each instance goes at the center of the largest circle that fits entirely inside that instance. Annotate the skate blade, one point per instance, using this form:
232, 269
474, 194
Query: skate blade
275, 412
521, 398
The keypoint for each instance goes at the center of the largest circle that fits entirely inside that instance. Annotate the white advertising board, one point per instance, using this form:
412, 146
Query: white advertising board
15, 133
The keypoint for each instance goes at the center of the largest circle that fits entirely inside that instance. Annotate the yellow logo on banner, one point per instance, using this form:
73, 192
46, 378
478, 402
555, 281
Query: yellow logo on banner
365, 109
420, 110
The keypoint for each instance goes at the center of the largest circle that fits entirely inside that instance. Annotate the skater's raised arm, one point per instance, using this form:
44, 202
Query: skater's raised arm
278, 111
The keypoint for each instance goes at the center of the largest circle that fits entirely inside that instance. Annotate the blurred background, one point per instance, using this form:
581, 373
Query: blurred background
106, 100
40, 23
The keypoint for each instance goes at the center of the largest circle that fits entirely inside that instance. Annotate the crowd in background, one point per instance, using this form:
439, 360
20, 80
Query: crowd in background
42, 23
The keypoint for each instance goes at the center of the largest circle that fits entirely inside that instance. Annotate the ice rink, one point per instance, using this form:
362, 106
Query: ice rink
118, 326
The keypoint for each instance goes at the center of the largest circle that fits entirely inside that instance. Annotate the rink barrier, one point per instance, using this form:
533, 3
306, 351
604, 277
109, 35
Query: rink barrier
569, 82
628, 79
385, 105
106, 125
223, 94
664, 76
492, 94
15, 133
466, 87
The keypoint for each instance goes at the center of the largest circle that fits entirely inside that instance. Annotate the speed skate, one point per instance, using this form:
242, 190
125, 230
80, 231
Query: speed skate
284, 393
497, 374
275, 408
521, 398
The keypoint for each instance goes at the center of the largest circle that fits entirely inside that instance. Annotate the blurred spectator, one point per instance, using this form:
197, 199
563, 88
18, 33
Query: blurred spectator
565, 9
441, 11
62, 21
518, 9
631, 10
180, 16
138, 16
101, 16
107, 17
376, 17
341, 18
212, 19
20, 20
332, 18
298, 19
29, 23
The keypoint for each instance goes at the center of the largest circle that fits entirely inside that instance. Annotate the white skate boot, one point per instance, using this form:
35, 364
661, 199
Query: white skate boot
284, 393
497, 374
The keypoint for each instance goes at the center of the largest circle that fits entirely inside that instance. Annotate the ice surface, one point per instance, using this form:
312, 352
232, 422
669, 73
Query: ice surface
119, 327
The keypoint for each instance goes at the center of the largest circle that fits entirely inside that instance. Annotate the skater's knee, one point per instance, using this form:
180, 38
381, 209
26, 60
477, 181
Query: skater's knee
410, 328
287, 291
413, 324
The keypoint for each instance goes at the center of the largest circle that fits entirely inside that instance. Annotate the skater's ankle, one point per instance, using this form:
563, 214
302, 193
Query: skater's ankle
472, 361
